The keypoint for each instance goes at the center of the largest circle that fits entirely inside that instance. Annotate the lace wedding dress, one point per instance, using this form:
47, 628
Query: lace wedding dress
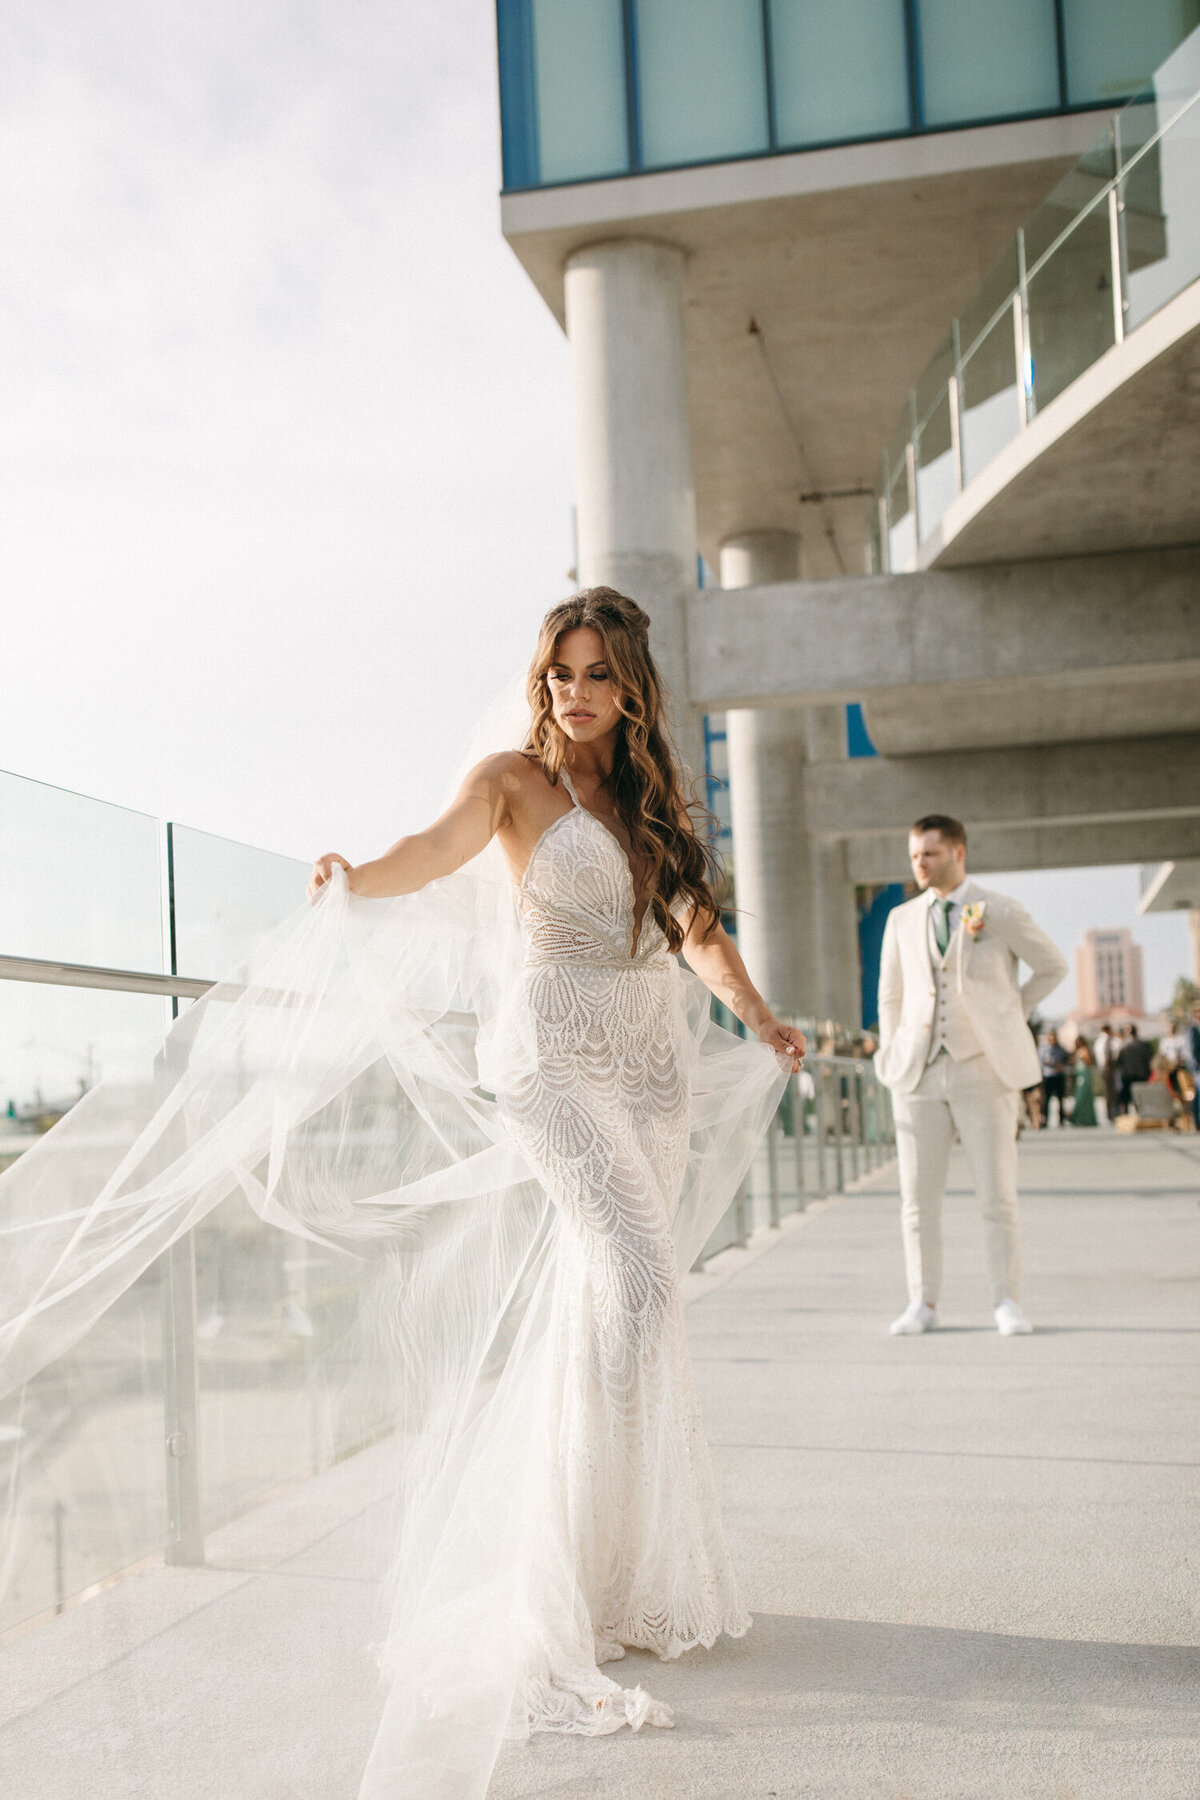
511, 1108
604, 1117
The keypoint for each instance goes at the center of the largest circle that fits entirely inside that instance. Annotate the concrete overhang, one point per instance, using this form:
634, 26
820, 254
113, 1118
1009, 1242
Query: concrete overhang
883, 856
1024, 653
1175, 887
851, 260
1083, 784
1110, 464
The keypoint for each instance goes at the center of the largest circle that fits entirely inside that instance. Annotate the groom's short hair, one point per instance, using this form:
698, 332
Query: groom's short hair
953, 830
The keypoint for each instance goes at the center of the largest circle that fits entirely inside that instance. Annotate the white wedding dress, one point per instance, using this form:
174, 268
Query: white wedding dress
512, 1107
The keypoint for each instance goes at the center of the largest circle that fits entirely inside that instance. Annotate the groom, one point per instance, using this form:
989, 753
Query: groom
955, 1049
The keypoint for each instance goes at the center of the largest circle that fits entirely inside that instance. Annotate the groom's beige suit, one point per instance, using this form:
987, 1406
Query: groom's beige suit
955, 1049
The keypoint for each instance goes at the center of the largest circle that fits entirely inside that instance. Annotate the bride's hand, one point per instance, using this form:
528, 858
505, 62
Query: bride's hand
323, 870
785, 1040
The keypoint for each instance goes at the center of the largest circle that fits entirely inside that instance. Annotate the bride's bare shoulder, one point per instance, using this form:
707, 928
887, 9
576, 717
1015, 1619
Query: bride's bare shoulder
507, 769
511, 775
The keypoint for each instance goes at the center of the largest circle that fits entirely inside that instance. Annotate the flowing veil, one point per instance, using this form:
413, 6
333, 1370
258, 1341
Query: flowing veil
343, 1083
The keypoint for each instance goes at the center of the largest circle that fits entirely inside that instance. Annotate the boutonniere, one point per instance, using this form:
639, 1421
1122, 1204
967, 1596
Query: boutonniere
972, 917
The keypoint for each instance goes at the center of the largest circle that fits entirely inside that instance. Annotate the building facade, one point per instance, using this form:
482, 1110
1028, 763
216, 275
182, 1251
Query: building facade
1108, 974
885, 314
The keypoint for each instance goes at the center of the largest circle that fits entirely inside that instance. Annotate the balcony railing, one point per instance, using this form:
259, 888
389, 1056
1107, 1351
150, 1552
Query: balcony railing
834, 1125
221, 1376
1117, 239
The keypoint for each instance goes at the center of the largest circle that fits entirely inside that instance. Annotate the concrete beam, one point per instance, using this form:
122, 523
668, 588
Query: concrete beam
884, 856
1064, 784
1041, 652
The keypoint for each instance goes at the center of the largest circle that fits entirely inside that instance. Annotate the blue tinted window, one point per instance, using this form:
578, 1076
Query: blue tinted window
701, 79
984, 59
580, 60
840, 71
1114, 46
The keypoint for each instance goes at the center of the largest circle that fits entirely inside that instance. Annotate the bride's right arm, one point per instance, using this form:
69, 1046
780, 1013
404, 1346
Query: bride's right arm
481, 807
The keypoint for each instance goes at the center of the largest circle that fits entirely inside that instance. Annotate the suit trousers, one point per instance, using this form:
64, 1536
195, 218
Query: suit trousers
968, 1096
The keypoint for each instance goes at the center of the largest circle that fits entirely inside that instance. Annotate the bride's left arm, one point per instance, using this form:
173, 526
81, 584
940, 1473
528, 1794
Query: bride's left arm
715, 959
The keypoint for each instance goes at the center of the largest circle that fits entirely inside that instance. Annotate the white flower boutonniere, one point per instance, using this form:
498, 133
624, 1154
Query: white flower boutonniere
972, 917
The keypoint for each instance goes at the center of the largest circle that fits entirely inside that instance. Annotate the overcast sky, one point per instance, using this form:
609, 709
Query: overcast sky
284, 427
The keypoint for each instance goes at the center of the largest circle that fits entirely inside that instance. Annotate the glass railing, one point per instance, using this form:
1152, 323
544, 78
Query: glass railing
834, 1126
1117, 239
221, 1377
196, 1394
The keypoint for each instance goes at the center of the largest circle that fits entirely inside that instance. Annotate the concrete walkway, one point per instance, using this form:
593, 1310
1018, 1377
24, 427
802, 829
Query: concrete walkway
972, 1561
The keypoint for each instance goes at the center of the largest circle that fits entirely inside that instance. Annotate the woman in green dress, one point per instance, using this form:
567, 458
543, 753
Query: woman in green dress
1084, 1112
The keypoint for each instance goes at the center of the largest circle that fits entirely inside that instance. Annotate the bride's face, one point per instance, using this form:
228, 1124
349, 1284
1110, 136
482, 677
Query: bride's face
582, 691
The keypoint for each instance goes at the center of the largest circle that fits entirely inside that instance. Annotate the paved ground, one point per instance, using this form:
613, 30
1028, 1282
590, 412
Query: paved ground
972, 1561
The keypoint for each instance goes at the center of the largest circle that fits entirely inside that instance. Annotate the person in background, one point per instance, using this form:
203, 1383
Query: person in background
1055, 1063
1083, 1111
1135, 1060
1102, 1050
1112, 1073
955, 1049
1170, 1061
1191, 1061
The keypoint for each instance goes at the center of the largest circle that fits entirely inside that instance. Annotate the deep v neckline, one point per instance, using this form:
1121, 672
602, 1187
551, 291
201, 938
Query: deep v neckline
639, 918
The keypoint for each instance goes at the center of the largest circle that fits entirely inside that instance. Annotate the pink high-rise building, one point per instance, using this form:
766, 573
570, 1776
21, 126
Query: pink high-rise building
1108, 968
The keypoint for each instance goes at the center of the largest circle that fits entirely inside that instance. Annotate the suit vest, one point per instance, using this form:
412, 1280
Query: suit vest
952, 1029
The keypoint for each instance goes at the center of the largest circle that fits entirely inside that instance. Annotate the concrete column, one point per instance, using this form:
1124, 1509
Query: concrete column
771, 847
835, 908
633, 446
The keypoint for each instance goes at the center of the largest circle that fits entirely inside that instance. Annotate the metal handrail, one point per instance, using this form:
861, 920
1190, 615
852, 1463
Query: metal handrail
93, 975
1107, 195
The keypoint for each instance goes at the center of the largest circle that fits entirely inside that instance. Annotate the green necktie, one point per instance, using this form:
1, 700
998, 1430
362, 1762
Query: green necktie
941, 924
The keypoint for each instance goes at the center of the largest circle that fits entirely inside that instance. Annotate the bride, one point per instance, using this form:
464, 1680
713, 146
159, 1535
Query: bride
494, 1081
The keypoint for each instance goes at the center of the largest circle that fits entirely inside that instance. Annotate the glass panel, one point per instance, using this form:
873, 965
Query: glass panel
227, 898
55, 1044
990, 406
1161, 221
1078, 189
701, 79
902, 526
937, 471
840, 71
982, 59
1113, 46
81, 1460
990, 415
272, 1312
81, 1447
580, 84
91, 885
1071, 307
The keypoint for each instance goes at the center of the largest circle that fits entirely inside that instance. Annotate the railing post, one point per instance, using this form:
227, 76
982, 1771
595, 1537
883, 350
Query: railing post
1114, 251
955, 389
798, 1110
855, 1121
181, 1356
839, 1127
773, 1166
1021, 335
910, 466
821, 1110
181, 1403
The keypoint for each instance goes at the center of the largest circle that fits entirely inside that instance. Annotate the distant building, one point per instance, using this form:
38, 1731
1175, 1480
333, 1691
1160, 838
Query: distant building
1108, 972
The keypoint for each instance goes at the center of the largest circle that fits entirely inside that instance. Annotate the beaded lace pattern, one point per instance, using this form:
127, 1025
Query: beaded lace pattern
603, 1114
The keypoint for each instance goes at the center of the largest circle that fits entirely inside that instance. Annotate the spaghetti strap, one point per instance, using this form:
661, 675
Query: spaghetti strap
570, 787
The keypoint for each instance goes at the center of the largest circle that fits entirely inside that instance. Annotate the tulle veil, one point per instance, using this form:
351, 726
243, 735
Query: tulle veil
343, 1083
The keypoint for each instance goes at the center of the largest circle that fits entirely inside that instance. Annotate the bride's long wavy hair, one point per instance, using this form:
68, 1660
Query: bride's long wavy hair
647, 781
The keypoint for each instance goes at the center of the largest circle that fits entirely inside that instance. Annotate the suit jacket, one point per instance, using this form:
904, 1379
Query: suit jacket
985, 971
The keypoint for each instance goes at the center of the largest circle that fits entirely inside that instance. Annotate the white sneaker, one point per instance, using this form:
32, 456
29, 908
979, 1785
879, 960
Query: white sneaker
915, 1318
1010, 1320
